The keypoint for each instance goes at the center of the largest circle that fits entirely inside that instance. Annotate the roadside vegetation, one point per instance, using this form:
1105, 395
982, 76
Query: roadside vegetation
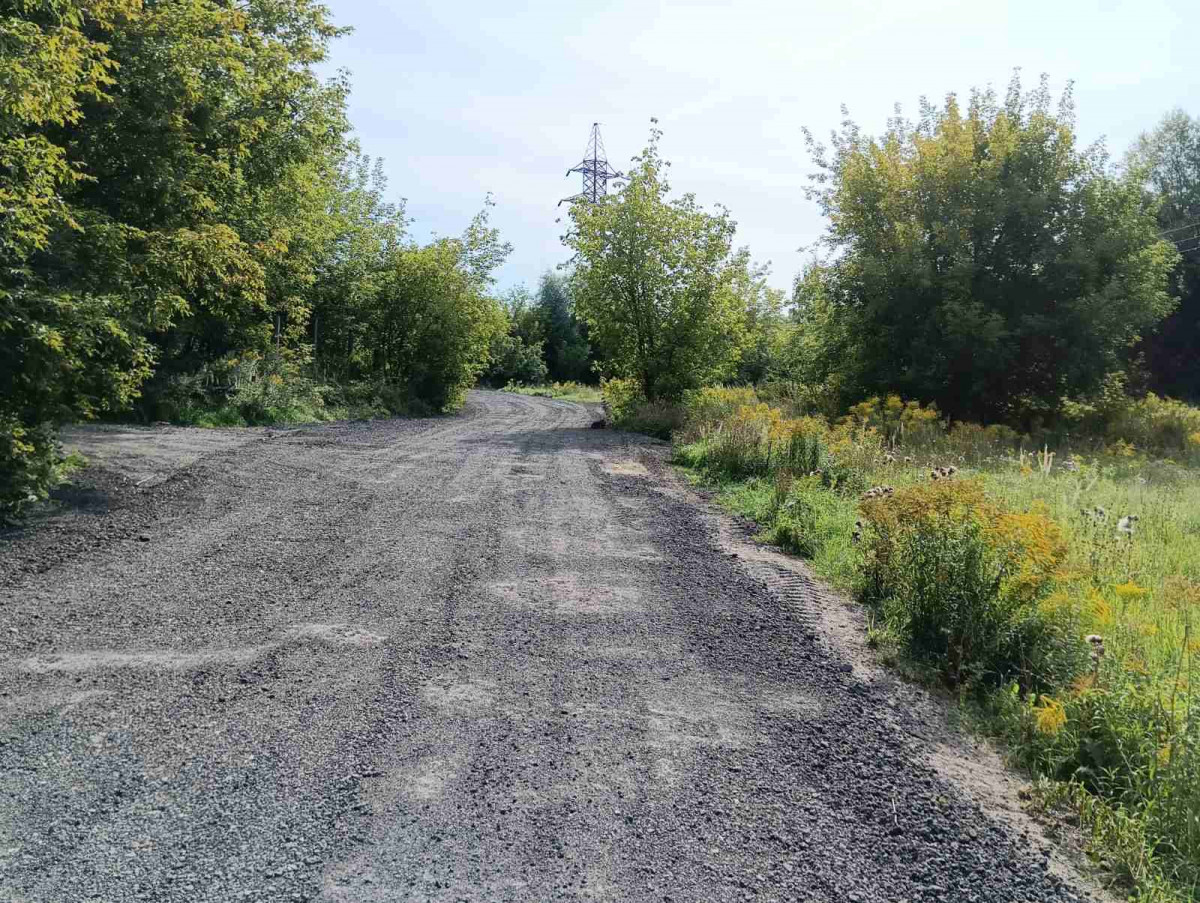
568, 391
1054, 590
957, 421
190, 232
975, 410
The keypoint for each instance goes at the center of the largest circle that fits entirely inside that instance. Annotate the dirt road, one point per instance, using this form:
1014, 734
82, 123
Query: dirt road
497, 656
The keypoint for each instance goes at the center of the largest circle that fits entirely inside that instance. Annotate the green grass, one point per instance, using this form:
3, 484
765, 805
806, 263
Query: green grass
568, 391
1118, 743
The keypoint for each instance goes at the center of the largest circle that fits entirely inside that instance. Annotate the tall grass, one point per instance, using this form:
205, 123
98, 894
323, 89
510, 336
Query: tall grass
1056, 590
564, 391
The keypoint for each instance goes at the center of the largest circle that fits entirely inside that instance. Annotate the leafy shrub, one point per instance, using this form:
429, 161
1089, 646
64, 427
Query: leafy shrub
569, 391
800, 399
960, 581
1135, 760
739, 446
31, 464
1150, 423
628, 409
282, 397
514, 360
654, 418
712, 404
622, 397
898, 421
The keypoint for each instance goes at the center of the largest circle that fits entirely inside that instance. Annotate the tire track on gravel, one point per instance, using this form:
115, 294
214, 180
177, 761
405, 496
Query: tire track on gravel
497, 656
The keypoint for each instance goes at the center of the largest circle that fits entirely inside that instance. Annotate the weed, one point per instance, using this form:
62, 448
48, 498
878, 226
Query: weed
564, 391
1061, 586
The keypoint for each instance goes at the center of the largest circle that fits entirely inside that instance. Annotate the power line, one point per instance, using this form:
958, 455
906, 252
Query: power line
1188, 243
1165, 232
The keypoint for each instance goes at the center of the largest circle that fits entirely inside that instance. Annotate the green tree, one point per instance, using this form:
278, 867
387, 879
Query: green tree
764, 324
1167, 161
433, 320
567, 350
62, 355
981, 260
368, 230
212, 164
651, 279
517, 352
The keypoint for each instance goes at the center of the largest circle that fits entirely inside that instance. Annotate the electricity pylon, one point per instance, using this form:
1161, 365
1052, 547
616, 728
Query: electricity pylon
595, 170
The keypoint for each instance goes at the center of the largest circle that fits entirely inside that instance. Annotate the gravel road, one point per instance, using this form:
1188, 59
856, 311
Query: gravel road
496, 656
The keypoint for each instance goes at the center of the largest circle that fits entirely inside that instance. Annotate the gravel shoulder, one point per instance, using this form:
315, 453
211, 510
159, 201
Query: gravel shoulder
496, 656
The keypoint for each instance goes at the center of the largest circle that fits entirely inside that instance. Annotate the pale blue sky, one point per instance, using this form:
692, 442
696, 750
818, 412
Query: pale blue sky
462, 98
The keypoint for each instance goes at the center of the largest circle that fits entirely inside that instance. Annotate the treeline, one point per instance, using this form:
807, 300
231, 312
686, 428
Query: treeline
545, 339
189, 231
978, 258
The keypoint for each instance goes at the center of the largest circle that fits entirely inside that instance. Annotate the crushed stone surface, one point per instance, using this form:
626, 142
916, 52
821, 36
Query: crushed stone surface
497, 656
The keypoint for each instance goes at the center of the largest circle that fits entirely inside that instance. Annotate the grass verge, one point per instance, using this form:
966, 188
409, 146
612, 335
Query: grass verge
1055, 595
568, 391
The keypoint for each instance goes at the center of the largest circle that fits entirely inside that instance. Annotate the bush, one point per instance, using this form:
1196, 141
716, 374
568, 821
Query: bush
1131, 764
712, 404
622, 397
960, 581
513, 360
568, 391
282, 398
627, 409
1154, 424
896, 420
31, 464
654, 418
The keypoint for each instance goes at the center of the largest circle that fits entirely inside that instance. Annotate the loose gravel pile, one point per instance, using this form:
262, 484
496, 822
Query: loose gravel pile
489, 657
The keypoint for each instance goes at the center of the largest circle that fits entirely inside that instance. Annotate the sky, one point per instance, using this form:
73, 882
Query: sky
465, 98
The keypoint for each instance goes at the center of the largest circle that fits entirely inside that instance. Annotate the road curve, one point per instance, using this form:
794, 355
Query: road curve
496, 656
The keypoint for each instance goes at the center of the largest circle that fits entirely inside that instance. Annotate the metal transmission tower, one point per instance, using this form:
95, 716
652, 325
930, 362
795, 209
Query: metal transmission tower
595, 170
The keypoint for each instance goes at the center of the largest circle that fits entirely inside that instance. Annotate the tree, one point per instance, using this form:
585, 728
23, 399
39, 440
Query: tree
764, 325
567, 350
980, 260
432, 321
1167, 162
651, 280
517, 352
62, 355
212, 163
368, 230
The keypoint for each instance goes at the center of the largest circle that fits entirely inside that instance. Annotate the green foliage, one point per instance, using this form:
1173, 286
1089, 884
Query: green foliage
652, 280
433, 323
765, 330
61, 356
962, 590
568, 391
980, 260
30, 465
1167, 162
568, 355
622, 397
1159, 425
992, 581
516, 354
805, 517
627, 409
